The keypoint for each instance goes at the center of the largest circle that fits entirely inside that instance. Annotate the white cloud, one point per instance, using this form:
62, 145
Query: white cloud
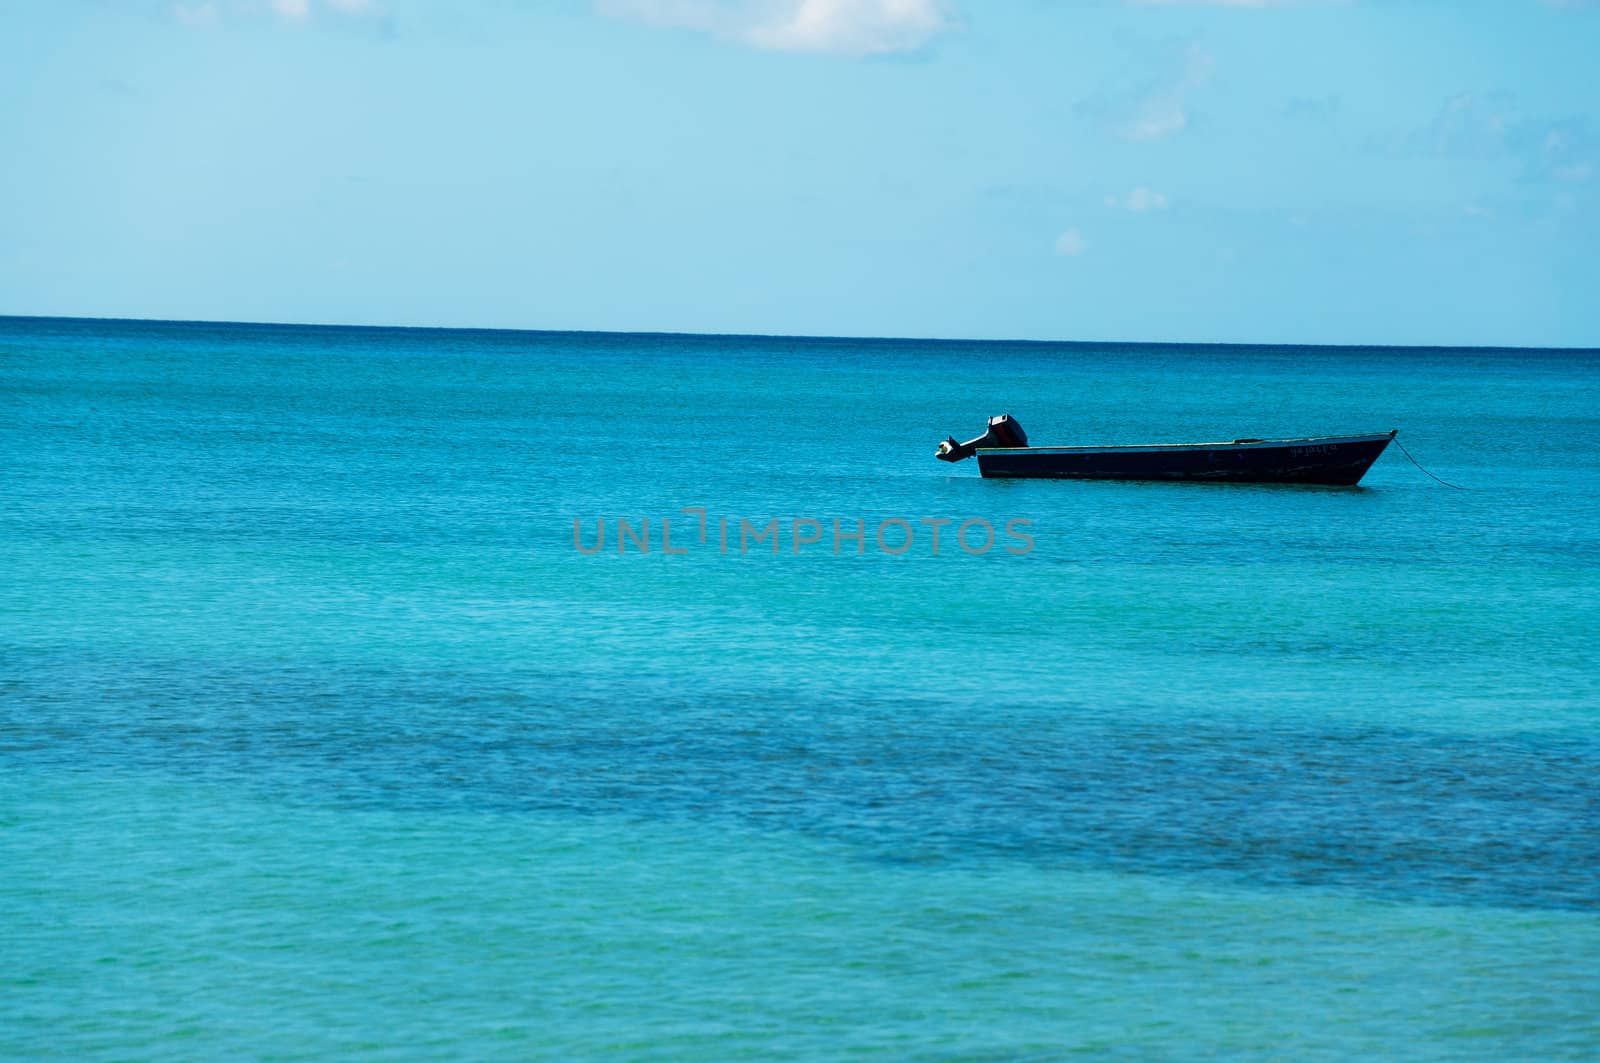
851, 27
1071, 243
293, 10
1139, 200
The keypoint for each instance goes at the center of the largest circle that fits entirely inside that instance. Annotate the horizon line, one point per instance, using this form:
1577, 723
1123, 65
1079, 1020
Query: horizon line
815, 337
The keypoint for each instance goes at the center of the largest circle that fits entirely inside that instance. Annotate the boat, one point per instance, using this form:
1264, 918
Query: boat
1003, 452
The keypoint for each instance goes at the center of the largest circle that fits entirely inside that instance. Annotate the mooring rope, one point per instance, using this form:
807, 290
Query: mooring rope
1418, 464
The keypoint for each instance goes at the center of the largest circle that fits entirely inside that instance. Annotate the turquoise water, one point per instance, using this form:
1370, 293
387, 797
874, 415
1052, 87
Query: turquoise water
320, 736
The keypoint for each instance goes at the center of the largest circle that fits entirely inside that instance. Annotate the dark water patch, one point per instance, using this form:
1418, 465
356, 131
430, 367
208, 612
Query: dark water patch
1500, 819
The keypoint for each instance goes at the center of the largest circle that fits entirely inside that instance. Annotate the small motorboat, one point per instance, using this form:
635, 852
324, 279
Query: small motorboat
1340, 461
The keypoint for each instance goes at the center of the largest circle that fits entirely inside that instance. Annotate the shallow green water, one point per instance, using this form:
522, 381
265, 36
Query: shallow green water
319, 735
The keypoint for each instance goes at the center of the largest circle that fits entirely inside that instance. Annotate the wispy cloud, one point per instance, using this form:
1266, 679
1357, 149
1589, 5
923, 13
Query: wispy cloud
850, 27
1071, 244
1139, 201
1157, 101
296, 12
1214, 3
1165, 108
1472, 126
197, 14
1313, 110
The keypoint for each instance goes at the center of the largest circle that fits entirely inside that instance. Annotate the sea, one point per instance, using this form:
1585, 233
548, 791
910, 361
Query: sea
330, 726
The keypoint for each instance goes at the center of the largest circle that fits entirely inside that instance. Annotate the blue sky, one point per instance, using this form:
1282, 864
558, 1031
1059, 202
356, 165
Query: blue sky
1366, 171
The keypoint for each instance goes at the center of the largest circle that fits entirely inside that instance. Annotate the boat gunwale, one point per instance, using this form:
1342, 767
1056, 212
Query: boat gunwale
1262, 444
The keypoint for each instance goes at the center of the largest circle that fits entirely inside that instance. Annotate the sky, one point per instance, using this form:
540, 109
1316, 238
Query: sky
1259, 171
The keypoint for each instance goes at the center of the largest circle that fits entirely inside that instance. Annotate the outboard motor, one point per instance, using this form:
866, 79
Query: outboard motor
1004, 433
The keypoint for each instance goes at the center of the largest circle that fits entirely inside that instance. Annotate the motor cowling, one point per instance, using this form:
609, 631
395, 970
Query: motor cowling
1003, 433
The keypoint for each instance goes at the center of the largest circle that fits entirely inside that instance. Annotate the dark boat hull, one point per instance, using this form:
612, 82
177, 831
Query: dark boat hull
1338, 461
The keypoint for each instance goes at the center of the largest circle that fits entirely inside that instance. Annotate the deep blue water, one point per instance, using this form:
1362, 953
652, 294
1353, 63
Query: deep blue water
318, 734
